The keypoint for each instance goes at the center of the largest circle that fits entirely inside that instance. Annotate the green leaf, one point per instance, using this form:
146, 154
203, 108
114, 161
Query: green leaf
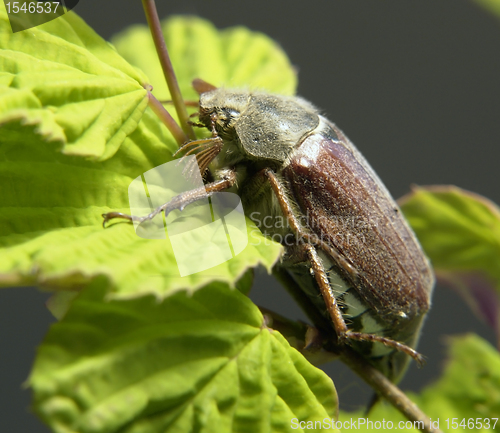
491, 5
204, 362
471, 381
460, 232
235, 57
72, 86
50, 220
62, 245
468, 389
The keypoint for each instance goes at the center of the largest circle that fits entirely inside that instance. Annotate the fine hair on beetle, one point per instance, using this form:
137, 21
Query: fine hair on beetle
292, 163
305, 185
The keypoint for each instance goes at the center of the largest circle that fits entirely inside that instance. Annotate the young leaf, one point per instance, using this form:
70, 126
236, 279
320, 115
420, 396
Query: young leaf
460, 232
237, 57
204, 362
471, 380
64, 80
51, 233
491, 5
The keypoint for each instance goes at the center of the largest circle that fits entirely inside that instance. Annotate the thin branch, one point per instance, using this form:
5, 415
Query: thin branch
315, 352
386, 389
166, 64
167, 119
298, 336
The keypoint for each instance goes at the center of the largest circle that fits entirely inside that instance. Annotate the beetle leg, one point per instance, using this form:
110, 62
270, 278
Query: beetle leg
179, 201
341, 329
326, 290
286, 207
343, 333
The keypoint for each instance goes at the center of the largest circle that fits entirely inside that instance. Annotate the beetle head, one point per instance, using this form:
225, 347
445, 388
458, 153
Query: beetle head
221, 108
262, 126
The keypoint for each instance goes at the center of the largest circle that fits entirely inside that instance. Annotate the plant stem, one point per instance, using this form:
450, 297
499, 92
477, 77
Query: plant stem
167, 119
166, 64
386, 389
295, 333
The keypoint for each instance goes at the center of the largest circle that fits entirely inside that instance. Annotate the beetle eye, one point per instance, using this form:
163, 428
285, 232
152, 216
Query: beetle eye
226, 117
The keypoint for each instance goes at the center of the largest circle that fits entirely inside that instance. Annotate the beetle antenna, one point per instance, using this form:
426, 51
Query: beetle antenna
206, 156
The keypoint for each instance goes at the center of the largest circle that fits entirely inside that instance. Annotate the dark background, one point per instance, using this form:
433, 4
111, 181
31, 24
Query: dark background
415, 85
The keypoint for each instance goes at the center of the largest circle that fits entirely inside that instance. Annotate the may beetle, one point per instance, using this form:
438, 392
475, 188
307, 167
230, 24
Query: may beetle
347, 245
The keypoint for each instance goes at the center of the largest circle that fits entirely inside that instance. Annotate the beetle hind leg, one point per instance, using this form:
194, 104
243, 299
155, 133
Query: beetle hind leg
360, 336
311, 238
344, 334
310, 241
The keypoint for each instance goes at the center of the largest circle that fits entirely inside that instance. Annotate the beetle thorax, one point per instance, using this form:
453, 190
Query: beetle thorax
262, 126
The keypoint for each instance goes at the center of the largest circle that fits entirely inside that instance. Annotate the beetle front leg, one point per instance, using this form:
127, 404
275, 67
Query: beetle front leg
180, 201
